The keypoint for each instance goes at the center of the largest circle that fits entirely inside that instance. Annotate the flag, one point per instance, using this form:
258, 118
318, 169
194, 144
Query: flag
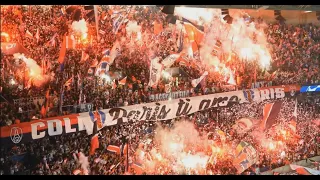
155, 71
270, 113
243, 124
68, 83
244, 156
293, 123
106, 52
157, 28
195, 82
118, 22
63, 11
169, 60
29, 35
37, 35
63, 51
84, 56
195, 34
114, 149
114, 85
124, 149
102, 67
304, 170
123, 81
273, 75
94, 139
115, 51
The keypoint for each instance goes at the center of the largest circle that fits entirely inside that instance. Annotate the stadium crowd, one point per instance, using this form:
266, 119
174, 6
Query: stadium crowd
295, 59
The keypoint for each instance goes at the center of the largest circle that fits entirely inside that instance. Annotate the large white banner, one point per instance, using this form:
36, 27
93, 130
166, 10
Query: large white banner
163, 110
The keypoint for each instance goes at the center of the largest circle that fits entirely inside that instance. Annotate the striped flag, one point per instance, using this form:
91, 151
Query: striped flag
94, 144
29, 34
270, 113
114, 149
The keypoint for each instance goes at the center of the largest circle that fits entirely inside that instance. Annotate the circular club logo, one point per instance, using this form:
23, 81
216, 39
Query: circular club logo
16, 135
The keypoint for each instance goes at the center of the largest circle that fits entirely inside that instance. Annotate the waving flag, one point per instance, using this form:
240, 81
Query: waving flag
155, 72
114, 149
29, 34
118, 22
94, 139
102, 67
63, 51
169, 60
244, 156
115, 51
270, 113
123, 81
195, 82
195, 33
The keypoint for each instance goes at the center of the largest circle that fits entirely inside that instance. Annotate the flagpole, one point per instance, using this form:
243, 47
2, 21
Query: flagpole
95, 8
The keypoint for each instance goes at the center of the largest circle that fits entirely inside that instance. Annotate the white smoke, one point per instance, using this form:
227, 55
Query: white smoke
80, 27
35, 71
83, 160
